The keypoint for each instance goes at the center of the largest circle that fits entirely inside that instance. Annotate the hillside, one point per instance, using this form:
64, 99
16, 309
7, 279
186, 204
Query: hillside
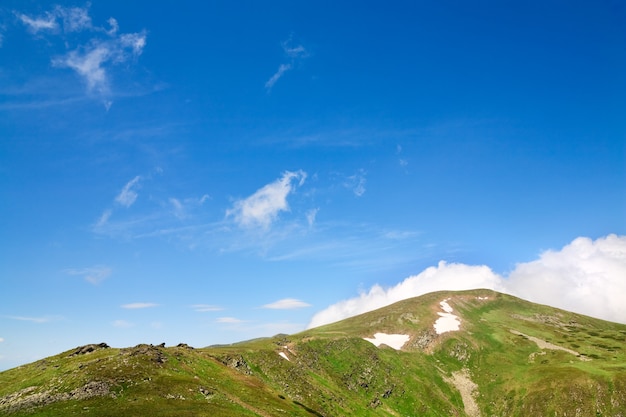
469, 353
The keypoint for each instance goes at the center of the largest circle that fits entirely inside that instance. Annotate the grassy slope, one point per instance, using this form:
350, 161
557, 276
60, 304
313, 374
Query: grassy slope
332, 371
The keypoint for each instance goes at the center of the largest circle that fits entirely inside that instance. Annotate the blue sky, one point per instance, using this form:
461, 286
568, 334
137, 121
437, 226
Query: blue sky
208, 173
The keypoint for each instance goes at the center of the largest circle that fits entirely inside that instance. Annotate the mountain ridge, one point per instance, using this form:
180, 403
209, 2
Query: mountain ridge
506, 357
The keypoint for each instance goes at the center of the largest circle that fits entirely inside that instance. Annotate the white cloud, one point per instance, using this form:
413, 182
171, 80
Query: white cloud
127, 196
585, 276
122, 324
114, 26
89, 66
229, 320
75, 19
287, 304
94, 274
262, 207
203, 308
282, 69
1, 339
135, 306
135, 41
39, 23
91, 63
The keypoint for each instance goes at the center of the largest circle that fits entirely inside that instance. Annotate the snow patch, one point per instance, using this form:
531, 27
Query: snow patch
284, 356
395, 341
447, 322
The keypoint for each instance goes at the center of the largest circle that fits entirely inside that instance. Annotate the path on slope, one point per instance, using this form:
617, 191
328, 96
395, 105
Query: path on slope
461, 380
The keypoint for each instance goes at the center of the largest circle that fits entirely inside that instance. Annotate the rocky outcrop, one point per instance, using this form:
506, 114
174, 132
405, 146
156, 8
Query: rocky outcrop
236, 362
82, 350
155, 353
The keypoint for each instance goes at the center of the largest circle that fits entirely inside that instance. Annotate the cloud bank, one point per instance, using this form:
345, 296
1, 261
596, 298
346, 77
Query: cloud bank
586, 277
262, 208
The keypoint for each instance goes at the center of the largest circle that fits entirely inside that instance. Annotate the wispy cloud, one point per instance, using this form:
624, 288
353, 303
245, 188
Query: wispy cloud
93, 58
403, 162
311, 215
261, 209
179, 210
88, 64
104, 218
69, 19
229, 320
95, 274
126, 198
35, 24
287, 304
283, 68
123, 324
356, 183
44, 319
585, 276
128, 195
203, 308
294, 53
136, 306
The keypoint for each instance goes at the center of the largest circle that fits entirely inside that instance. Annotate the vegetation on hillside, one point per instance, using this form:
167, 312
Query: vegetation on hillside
509, 358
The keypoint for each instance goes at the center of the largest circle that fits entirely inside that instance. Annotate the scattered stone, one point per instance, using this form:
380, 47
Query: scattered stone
375, 402
29, 398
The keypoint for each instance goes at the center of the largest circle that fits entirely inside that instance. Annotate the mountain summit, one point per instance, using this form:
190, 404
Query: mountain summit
468, 353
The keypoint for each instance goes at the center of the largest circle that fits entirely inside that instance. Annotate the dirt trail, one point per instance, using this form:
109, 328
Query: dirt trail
462, 381
542, 344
